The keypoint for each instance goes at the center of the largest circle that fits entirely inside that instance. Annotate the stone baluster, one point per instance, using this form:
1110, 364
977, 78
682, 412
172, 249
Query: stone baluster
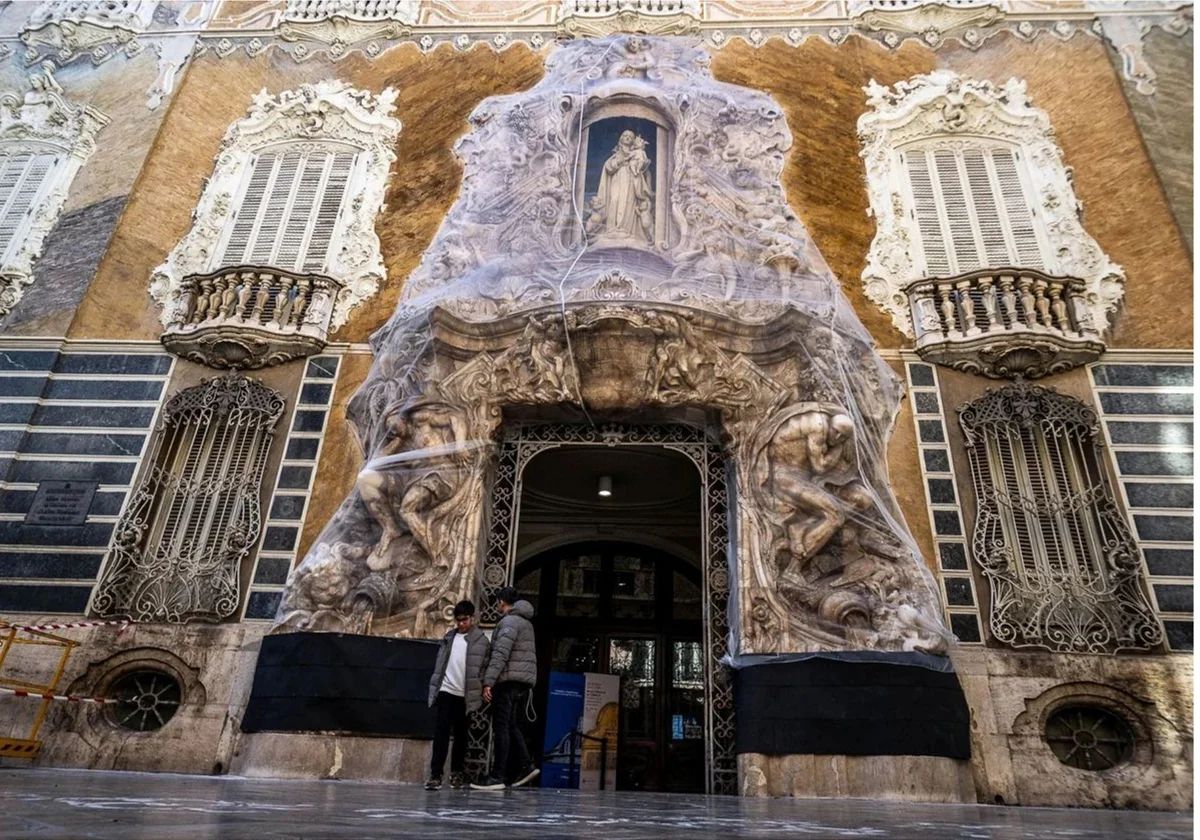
225, 282
261, 298
987, 293
303, 293
283, 301
1058, 306
245, 290
214, 299
202, 296
1042, 303
1025, 285
1008, 301
967, 305
949, 315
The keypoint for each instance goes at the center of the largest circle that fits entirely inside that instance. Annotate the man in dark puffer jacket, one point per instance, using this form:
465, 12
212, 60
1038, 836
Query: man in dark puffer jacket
510, 675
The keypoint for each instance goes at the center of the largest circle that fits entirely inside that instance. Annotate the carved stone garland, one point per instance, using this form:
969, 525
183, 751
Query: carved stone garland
98, 29
942, 107
177, 551
327, 113
1063, 566
42, 122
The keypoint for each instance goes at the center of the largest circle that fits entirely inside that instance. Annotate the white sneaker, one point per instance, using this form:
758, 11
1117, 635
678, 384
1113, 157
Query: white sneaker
528, 777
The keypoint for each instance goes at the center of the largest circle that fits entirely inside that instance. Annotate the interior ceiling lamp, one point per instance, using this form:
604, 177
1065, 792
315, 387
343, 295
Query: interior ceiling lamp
604, 487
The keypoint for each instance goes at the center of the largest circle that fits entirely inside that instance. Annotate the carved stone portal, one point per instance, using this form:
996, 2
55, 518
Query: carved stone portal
735, 323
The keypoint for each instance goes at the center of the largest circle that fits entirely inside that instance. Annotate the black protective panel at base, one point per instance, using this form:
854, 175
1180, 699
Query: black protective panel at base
338, 682
830, 706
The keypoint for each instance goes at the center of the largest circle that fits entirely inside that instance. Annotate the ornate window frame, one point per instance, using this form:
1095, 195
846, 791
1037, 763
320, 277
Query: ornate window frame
327, 114
1063, 565
178, 547
943, 108
41, 122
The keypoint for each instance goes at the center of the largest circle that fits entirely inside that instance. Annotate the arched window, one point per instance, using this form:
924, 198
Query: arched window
964, 176
280, 198
1063, 566
44, 140
622, 185
178, 549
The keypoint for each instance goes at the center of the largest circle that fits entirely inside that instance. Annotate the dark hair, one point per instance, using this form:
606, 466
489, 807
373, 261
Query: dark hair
464, 608
507, 594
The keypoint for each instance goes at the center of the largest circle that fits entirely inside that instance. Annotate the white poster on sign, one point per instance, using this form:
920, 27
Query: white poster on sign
601, 715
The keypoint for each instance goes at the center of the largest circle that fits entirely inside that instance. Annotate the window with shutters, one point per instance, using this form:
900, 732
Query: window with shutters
970, 208
1062, 563
288, 211
965, 179
24, 177
44, 140
178, 549
294, 194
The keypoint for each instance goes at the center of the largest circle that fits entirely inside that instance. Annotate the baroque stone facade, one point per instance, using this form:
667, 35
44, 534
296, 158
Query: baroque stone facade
591, 238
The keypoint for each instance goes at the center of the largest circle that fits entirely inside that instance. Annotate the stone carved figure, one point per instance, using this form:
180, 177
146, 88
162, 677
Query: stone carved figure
623, 207
734, 317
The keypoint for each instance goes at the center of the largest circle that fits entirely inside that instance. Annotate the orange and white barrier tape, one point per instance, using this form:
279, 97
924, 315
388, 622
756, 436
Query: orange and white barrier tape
69, 698
68, 625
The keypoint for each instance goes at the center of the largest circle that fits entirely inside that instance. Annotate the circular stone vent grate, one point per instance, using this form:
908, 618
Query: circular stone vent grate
148, 699
1089, 738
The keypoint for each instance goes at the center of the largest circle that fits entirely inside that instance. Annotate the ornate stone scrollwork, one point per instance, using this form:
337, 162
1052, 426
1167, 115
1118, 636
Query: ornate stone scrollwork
733, 318
196, 290
598, 18
65, 31
943, 111
56, 137
340, 23
1063, 565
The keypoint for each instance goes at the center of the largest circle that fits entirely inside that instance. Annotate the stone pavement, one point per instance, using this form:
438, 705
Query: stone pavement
79, 804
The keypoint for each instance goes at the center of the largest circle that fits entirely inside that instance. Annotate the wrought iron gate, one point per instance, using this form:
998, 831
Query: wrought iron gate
518, 446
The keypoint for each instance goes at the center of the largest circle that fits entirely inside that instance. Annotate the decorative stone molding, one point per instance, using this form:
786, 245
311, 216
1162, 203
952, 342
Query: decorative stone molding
245, 317
933, 22
340, 23
598, 18
329, 114
99, 29
943, 110
1004, 324
42, 122
1062, 563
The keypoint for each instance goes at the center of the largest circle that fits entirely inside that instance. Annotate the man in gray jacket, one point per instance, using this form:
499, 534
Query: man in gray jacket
510, 675
455, 689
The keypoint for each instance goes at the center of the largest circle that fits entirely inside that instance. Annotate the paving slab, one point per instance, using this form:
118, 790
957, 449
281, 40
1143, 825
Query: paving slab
78, 804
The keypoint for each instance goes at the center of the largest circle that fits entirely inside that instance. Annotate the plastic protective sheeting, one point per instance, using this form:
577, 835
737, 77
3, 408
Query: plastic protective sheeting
622, 249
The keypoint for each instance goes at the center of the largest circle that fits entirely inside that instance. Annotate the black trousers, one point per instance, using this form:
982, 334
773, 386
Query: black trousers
451, 719
511, 755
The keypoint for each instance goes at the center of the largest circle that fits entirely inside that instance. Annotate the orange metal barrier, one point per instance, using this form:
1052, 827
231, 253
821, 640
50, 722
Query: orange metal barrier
10, 637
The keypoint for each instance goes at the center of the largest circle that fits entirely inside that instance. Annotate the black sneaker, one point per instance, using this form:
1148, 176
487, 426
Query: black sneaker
457, 782
434, 783
526, 777
490, 783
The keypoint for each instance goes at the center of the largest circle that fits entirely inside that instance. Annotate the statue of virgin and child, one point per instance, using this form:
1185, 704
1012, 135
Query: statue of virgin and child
623, 207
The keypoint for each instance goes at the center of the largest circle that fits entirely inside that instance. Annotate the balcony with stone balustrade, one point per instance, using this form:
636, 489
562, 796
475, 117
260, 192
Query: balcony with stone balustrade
1004, 323
248, 317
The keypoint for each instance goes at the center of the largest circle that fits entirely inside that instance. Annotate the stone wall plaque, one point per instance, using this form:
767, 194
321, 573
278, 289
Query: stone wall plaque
61, 503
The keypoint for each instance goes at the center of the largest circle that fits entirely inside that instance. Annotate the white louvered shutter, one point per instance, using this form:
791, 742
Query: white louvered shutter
970, 210
22, 177
289, 211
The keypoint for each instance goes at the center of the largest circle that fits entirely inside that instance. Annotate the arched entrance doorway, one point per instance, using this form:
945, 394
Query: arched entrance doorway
634, 611
546, 531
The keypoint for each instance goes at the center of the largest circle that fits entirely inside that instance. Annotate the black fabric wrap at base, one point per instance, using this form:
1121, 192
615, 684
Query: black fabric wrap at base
337, 682
830, 705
